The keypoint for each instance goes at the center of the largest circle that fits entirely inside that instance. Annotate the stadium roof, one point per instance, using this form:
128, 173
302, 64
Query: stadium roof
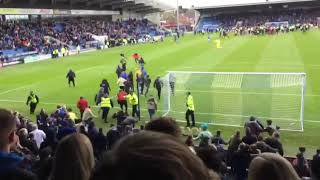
139, 6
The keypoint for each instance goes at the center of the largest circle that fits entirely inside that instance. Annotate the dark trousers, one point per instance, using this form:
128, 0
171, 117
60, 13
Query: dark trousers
135, 110
190, 113
152, 112
105, 112
124, 67
71, 81
141, 88
33, 107
172, 87
159, 93
81, 113
147, 90
123, 104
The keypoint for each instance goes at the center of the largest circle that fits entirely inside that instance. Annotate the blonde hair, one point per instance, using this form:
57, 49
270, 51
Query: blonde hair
269, 166
74, 158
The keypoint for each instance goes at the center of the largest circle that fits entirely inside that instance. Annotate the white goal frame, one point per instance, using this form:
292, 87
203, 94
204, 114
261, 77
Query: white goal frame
303, 89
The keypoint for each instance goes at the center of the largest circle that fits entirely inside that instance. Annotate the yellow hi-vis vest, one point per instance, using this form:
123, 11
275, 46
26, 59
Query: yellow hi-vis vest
63, 50
105, 102
34, 99
190, 104
133, 99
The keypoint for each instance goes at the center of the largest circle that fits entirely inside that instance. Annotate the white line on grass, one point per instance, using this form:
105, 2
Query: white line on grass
179, 112
30, 85
248, 93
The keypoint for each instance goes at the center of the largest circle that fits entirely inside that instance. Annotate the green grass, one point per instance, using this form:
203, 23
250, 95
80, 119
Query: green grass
294, 52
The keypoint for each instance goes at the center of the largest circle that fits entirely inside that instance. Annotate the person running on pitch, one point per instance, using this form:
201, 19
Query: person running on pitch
158, 84
106, 104
32, 101
172, 82
190, 110
71, 76
123, 62
147, 82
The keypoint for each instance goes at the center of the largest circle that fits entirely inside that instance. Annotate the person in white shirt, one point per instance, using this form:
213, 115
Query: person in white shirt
38, 134
121, 82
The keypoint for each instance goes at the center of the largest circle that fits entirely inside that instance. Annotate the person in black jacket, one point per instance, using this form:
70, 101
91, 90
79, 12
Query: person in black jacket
71, 75
158, 84
274, 142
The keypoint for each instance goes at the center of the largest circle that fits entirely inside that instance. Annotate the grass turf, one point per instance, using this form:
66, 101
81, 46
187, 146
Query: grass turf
294, 52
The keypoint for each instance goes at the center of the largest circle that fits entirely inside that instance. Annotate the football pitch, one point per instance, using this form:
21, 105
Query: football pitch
294, 52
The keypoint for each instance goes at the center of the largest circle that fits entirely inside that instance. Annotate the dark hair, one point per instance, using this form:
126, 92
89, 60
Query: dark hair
189, 141
210, 158
151, 155
7, 126
269, 122
260, 138
74, 158
315, 166
165, 125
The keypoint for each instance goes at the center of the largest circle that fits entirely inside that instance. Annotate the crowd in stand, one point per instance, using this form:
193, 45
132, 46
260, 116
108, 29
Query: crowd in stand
30, 35
269, 22
56, 148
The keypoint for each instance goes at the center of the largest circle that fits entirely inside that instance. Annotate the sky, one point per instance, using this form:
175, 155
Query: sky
203, 3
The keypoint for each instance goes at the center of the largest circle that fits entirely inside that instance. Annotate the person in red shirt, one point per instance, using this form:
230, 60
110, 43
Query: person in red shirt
82, 105
122, 100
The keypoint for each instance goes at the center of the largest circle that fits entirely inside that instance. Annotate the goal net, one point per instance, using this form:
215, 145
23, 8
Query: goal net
230, 98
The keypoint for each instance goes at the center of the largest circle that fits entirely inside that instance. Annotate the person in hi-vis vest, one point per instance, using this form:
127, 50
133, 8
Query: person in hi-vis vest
106, 104
190, 109
32, 101
133, 101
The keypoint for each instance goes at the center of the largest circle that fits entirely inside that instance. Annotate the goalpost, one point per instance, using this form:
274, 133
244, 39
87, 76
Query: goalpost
230, 98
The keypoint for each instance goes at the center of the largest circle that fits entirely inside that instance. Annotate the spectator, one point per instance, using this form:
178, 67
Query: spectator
74, 159
71, 115
88, 115
42, 118
27, 142
152, 107
234, 142
218, 141
212, 160
205, 133
264, 147
240, 162
315, 166
274, 142
113, 135
11, 165
254, 125
271, 166
99, 144
249, 138
82, 105
164, 125
270, 129
43, 166
189, 143
300, 164
39, 135
157, 155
